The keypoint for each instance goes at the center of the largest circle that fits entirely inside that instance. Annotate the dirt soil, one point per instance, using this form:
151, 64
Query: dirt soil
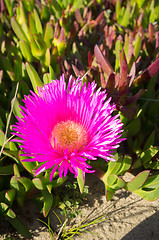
128, 217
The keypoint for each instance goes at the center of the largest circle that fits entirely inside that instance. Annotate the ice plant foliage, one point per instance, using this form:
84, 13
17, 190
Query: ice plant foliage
64, 125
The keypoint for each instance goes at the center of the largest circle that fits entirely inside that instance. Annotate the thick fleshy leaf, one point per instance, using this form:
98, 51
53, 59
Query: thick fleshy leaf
148, 154
12, 154
19, 226
150, 141
109, 193
2, 139
32, 25
124, 78
26, 182
18, 30
137, 182
118, 48
39, 184
26, 51
38, 46
149, 195
138, 42
151, 182
37, 22
133, 127
7, 170
101, 59
16, 108
10, 213
16, 170
48, 35
126, 16
125, 165
80, 180
29, 166
3, 207
9, 197
147, 73
15, 184
48, 201
34, 77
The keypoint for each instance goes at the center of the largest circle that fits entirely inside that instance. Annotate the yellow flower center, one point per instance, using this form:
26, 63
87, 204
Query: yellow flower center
69, 135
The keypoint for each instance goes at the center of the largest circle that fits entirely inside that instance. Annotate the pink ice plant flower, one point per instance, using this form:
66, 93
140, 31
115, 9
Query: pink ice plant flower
64, 125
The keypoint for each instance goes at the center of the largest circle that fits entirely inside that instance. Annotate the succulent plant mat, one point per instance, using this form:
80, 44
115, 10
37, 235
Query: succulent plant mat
127, 217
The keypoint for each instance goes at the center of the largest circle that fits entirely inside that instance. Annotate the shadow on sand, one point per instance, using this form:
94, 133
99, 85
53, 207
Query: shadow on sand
149, 228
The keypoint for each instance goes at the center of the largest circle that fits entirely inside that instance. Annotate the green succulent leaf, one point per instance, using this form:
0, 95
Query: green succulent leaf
26, 51
48, 201
19, 226
150, 141
81, 180
3, 207
29, 166
148, 154
125, 165
11, 154
137, 48
48, 35
26, 182
9, 197
18, 30
2, 139
149, 195
126, 16
7, 170
37, 22
137, 182
15, 184
109, 193
151, 182
9, 5
16, 170
38, 46
133, 127
39, 184
34, 77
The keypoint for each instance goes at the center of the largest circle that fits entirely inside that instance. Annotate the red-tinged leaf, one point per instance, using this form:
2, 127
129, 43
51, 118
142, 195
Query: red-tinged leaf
157, 43
151, 32
103, 62
129, 112
117, 79
124, 78
134, 98
74, 30
110, 86
90, 59
103, 81
78, 17
76, 71
148, 73
97, 20
132, 73
62, 35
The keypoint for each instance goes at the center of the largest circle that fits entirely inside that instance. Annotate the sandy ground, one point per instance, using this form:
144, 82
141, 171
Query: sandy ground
128, 217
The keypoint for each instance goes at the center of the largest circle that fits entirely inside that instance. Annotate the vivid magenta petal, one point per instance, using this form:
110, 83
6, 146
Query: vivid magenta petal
63, 126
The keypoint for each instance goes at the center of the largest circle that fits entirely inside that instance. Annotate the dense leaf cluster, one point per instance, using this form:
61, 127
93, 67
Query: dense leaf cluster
115, 43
